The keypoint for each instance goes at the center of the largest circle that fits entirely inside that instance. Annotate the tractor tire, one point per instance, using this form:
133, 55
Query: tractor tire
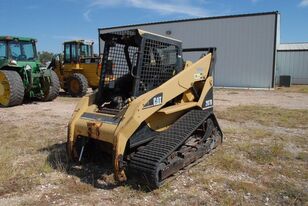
12, 90
77, 85
54, 88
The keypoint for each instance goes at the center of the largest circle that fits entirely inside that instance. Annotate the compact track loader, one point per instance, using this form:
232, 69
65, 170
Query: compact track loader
151, 112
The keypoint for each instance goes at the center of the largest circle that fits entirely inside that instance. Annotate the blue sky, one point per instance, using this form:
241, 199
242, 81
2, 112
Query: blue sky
54, 21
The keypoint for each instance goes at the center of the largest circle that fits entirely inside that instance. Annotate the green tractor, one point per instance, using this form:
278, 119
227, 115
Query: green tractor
21, 74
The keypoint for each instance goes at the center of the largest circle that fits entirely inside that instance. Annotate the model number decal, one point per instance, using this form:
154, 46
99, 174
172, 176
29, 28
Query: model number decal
154, 101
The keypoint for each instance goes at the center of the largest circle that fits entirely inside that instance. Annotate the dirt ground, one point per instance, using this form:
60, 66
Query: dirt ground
263, 160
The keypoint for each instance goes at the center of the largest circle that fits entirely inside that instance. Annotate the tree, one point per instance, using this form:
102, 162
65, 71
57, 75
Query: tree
45, 56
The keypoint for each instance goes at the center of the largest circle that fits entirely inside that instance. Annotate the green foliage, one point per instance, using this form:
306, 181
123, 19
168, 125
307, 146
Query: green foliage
45, 56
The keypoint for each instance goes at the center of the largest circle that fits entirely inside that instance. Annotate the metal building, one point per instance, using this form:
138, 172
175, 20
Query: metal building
246, 45
292, 59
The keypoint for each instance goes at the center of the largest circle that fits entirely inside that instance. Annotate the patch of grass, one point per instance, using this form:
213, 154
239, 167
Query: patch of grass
232, 92
6, 167
258, 133
245, 187
264, 154
19, 184
302, 156
300, 141
287, 193
226, 161
251, 133
208, 180
227, 200
181, 199
259, 154
71, 186
222, 195
266, 115
294, 89
292, 169
21, 165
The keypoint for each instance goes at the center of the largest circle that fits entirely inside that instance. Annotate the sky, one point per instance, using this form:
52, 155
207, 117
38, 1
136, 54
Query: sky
52, 22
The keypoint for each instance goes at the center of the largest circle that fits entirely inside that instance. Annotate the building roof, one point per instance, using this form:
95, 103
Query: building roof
193, 19
293, 47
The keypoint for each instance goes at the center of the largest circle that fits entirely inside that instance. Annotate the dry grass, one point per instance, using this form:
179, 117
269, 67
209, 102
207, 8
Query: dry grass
294, 88
258, 164
20, 163
264, 154
267, 115
226, 161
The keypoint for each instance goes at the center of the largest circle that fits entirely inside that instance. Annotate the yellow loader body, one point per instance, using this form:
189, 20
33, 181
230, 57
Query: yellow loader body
163, 110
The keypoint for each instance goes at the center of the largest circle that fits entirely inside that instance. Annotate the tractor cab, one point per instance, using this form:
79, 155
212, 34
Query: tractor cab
78, 51
18, 50
134, 63
22, 74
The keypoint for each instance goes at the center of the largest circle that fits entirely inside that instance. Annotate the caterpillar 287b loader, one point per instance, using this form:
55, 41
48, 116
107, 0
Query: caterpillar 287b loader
151, 112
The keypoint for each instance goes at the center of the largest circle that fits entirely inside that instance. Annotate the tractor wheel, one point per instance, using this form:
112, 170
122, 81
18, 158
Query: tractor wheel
12, 89
54, 88
77, 85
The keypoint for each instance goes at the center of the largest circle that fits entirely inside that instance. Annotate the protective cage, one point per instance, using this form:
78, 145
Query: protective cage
136, 62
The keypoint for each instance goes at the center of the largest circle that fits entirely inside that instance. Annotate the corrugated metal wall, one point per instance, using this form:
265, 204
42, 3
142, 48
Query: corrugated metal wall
293, 63
245, 46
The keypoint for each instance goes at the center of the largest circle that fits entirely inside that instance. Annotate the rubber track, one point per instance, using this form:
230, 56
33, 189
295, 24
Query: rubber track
147, 160
17, 89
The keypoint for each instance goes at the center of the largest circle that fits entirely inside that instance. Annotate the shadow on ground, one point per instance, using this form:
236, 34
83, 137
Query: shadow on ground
96, 171
64, 94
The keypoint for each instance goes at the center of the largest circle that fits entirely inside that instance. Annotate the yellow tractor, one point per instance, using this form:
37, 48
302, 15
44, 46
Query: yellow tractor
79, 69
153, 112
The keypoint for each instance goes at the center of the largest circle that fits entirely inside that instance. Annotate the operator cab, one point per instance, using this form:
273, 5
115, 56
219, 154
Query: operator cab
78, 51
134, 63
18, 49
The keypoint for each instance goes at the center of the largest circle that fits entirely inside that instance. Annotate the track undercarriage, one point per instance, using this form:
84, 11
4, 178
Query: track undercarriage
192, 136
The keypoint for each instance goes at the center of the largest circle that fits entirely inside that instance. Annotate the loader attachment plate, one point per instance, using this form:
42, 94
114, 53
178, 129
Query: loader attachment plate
100, 118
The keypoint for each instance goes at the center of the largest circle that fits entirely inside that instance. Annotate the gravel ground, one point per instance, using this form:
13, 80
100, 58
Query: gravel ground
36, 132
